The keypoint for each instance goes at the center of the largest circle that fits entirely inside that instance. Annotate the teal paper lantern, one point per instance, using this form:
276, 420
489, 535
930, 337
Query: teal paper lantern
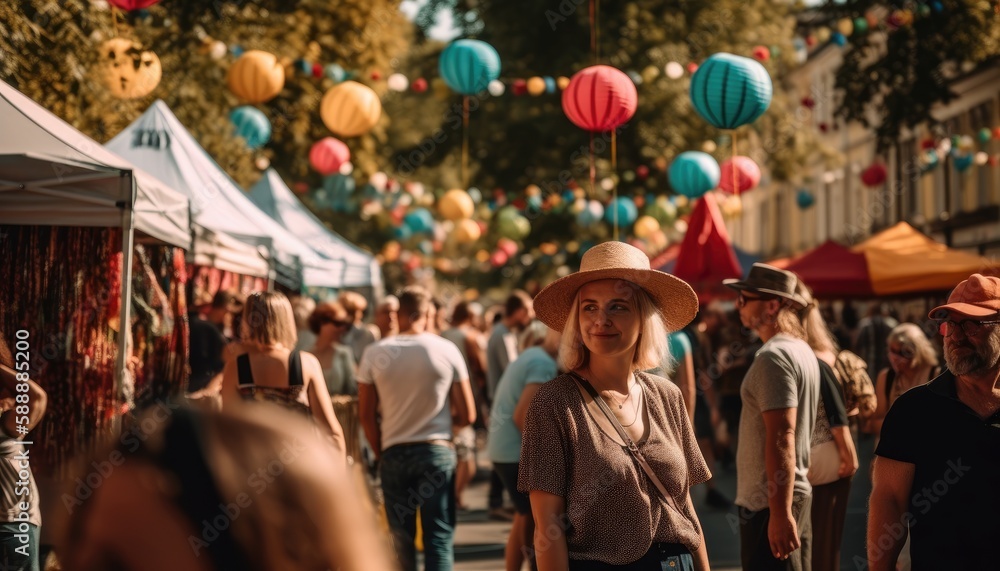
420, 221
729, 91
625, 208
985, 135
839, 39
335, 72
252, 125
963, 162
339, 193
693, 173
468, 66
805, 199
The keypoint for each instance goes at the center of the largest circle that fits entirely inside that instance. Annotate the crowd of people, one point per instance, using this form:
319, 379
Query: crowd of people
600, 402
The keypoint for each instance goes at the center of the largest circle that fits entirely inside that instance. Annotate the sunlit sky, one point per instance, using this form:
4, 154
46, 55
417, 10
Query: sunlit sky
443, 30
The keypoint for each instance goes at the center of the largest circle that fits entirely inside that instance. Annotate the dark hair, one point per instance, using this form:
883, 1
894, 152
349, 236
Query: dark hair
461, 313
413, 302
221, 300
329, 311
516, 301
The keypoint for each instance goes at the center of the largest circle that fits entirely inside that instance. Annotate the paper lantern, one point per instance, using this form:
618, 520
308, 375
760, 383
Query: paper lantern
350, 109
327, 155
467, 231
860, 25
256, 77
510, 223
985, 135
130, 5
456, 204
839, 39
339, 191
645, 227
592, 212
674, 70
252, 125
536, 86
599, 98
962, 162
129, 72
693, 173
507, 246
419, 221
335, 73
804, 199
761, 53
747, 175
496, 88
625, 209
468, 66
419, 85
874, 175
397, 82
520, 87
729, 91
550, 84
845, 26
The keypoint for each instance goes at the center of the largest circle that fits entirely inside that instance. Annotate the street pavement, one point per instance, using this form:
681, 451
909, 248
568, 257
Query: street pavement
479, 541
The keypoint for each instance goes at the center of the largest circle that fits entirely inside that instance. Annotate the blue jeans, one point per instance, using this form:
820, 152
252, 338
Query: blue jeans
421, 476
9, 542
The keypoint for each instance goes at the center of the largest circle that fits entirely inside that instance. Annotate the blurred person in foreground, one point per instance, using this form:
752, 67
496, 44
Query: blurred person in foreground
252, 488
780, 400
270, 370
22, 406
413, 391
938, 460
608, 454
534, 366
833, 459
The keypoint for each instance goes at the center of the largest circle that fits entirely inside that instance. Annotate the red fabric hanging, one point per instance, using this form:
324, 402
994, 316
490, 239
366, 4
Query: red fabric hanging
706, 256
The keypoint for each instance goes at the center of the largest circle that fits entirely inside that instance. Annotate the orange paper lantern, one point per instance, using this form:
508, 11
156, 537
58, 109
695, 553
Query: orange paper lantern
350, 109
128, 71
256, 77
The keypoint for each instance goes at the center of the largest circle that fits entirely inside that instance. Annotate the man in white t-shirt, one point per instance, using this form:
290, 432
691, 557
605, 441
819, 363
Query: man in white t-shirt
780, 396
413, 389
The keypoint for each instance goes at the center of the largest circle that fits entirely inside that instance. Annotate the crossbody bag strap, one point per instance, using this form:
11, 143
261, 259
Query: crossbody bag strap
632, 448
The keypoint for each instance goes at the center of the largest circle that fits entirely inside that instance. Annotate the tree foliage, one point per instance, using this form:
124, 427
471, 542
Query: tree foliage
898, 74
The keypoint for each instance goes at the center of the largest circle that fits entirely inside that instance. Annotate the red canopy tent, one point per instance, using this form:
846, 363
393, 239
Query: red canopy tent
834, 271
706, 255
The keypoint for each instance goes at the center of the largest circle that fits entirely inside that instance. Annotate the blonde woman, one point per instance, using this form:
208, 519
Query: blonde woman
608, 455
912, 362
270, 370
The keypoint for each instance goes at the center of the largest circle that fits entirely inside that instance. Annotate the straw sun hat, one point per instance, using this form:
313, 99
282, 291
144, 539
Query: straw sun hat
675, 299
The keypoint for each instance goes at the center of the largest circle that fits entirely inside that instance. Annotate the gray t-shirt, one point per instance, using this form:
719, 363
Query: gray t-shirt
784, 374
501, 350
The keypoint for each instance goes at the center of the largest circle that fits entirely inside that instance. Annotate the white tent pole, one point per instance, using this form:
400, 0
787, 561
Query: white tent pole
125, 318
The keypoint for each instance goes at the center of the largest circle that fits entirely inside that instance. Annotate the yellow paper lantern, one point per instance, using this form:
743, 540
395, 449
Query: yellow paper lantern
467, 231
456, 204
845, 26
536, 86
129, 72
350, 109
645, 227
256, 77
562, 82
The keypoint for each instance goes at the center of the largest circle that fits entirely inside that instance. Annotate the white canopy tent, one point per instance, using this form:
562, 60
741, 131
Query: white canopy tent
53, 175
159, 143
273, 196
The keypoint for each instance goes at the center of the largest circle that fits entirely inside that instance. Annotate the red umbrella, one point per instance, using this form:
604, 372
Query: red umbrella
706, 256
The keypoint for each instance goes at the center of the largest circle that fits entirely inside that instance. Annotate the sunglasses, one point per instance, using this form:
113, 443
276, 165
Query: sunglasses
338, 322
742, 299
970, 327
901, 352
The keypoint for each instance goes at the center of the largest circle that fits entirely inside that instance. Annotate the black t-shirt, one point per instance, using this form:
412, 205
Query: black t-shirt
955, 498
206, 352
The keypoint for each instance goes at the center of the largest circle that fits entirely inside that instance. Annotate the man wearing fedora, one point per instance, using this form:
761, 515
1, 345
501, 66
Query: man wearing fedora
937, 465
780, 394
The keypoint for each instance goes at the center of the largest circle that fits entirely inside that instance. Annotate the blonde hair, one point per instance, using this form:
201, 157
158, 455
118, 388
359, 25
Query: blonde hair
913, 338
354, 303
268, 319
651, 351
533, 335
817, 333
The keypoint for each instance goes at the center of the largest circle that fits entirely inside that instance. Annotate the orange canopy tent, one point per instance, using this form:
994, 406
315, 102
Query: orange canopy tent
706, 255
833, 271
902, 260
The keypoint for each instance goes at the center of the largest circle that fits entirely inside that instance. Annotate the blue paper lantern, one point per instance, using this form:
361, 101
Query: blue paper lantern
306, 67
335, 72
236, 50
625, 208
729, 91
693, 173
252, 125
420, 221
963, 162
550, 84
805, 199
402, 232
468, 66
839, 39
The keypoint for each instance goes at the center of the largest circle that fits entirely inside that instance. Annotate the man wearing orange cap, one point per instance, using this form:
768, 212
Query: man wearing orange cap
937, 474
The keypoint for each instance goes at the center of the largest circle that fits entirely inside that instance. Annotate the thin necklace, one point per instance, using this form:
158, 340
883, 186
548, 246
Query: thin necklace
621, 405
638, 405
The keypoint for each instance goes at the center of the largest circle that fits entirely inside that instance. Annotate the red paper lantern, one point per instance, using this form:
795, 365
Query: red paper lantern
507, 246
747, 175
327, 155
642, 172
692, 67
130, 5
520, 87
810, 40
499, 258
874, 175
419, 85
761, 53
300, 187
927, 144
808, 102
600, 98
996, 133
376, 76
317, 70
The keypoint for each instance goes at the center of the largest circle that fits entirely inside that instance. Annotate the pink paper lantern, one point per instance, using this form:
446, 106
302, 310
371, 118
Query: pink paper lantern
507, 246
327, 156
130, 5
747, 175
600, 98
